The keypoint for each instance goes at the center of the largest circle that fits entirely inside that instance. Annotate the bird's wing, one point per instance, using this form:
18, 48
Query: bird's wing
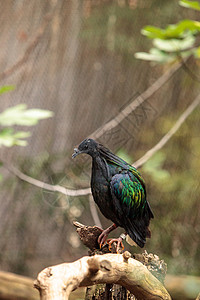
130, 194
128, 198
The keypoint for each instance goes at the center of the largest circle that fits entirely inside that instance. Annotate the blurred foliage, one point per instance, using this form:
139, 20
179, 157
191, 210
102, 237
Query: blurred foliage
9, 138
172, 182
154, 167
190, 4
6, 88
124, 155
175, 41
172, 174
18, 115
112, 27
172, 178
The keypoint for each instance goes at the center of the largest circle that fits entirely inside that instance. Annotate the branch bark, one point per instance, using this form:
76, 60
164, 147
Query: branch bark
57, 282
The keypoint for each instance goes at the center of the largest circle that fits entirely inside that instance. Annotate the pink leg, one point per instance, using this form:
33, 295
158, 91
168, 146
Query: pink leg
103, 236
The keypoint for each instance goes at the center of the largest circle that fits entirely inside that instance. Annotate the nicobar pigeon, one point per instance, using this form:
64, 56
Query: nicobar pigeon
119, 191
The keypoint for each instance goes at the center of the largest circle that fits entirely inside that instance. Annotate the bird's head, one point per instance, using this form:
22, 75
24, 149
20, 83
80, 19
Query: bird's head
87, 146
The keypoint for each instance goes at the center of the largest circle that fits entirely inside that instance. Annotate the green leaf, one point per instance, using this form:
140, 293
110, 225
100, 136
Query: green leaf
174, 45
10, 138
37, 114
190, 4
153, 32
19, 115
6, 88
156, 55
178, 30
147, 56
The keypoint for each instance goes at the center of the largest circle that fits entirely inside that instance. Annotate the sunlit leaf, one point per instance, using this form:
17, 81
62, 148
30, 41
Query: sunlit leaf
172, 31
147, 56
156, 55
19, 115
190, 4
174, 45
182, 28
37, 114
10, 138
6, 88
153, 32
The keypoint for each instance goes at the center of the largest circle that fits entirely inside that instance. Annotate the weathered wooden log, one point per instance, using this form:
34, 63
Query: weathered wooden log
57, 282
89, 236
14, 287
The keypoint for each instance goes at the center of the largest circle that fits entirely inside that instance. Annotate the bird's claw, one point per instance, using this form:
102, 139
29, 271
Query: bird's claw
101, 245
102, 239
104, 234
119, 244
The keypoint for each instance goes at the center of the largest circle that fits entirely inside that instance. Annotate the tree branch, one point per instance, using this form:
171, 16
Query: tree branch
137, 164
57, 282
169, 134
15, 287
46, 186
137, 102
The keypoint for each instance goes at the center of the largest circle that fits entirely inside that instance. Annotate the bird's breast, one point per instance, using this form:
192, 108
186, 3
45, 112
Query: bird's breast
100, 185
102, 197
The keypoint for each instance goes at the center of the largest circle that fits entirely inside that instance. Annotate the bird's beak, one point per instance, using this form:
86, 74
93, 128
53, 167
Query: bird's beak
76, 152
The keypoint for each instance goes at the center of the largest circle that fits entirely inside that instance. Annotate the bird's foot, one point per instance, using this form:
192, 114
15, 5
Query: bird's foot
119, 244
103, 236
102, 239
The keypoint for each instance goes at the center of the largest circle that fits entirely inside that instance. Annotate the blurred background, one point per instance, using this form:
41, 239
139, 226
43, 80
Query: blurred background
76, 59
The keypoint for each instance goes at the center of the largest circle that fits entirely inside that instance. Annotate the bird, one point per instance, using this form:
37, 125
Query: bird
119, 191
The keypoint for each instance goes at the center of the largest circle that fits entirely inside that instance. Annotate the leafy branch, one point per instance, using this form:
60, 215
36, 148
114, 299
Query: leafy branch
175, 41
18, 115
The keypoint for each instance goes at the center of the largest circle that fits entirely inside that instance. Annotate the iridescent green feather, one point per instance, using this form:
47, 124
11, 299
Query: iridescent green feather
131, 193
121, 163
